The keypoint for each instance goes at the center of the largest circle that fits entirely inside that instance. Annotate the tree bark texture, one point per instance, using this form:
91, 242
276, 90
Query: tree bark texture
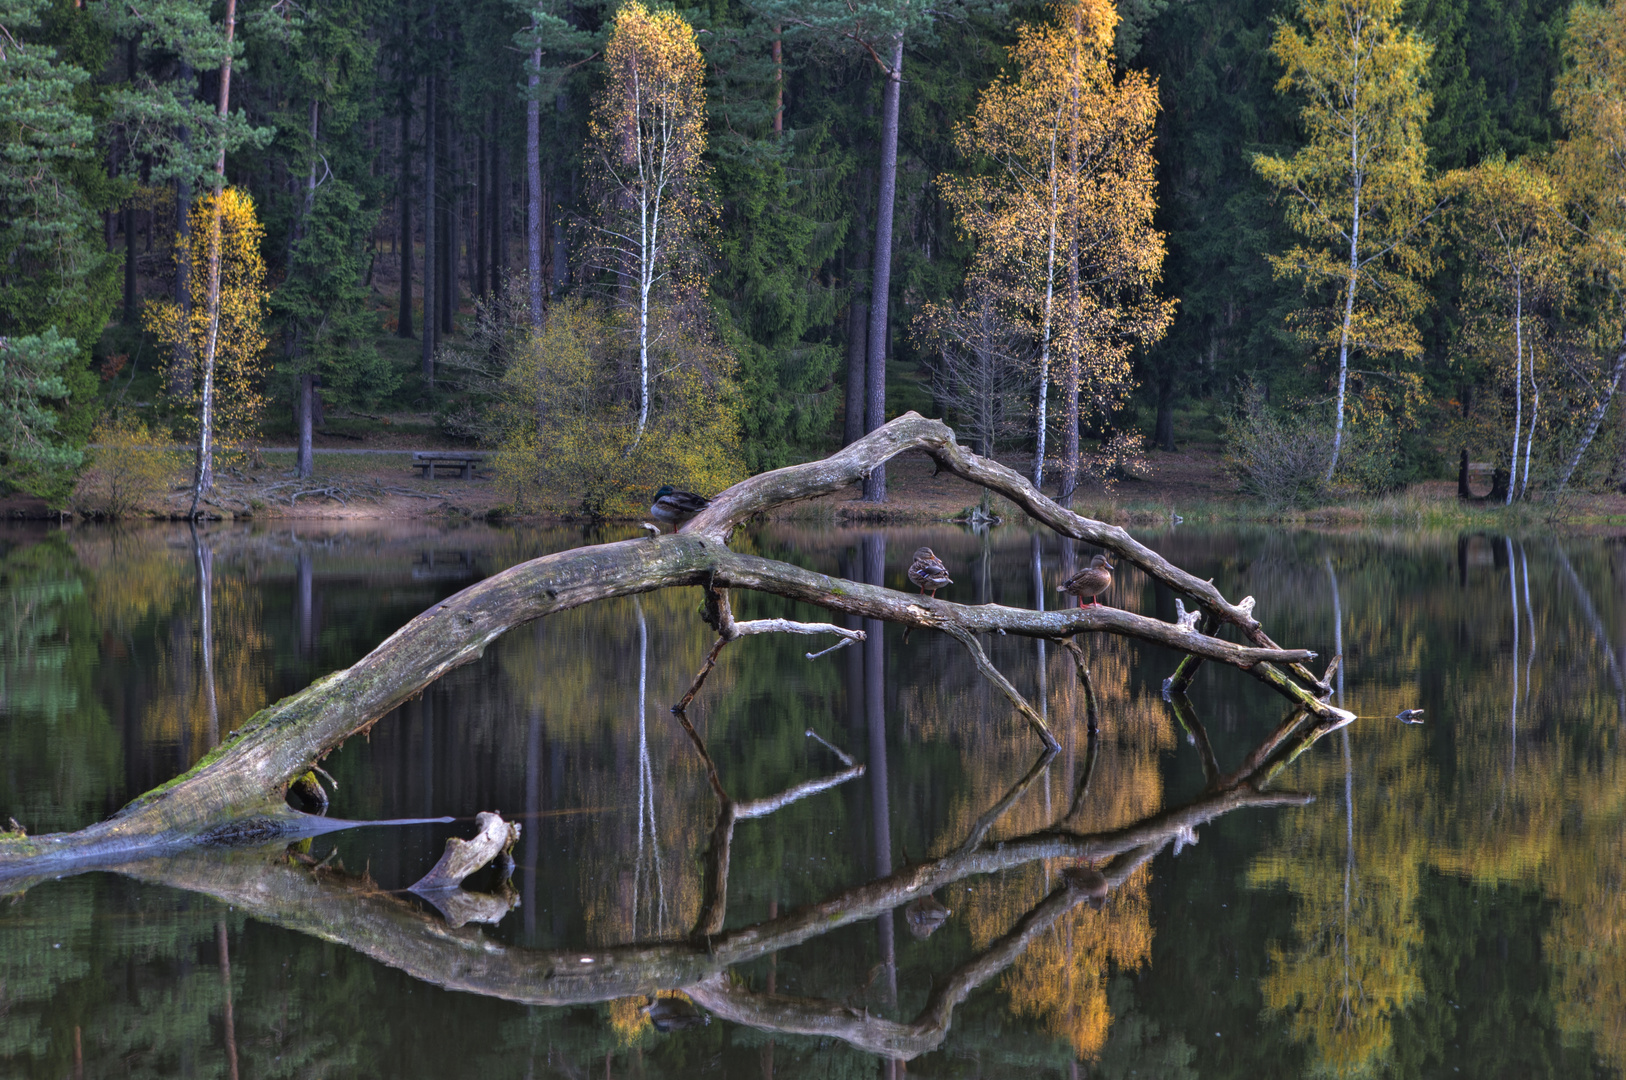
236, 791
430, 266
881, 280
533, 185
403, 311
857, 345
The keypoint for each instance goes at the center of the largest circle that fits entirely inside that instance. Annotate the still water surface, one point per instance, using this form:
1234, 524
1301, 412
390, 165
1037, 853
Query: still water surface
1452, 904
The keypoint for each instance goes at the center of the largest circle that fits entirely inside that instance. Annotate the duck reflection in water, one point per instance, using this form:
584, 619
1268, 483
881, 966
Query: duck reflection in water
678, 983
925, 916
673, 1014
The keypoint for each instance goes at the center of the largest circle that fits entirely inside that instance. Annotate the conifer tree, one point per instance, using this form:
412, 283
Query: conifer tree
57, 281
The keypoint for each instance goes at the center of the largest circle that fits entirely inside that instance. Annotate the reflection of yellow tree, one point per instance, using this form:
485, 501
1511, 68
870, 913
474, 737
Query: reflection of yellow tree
1356, 875
1062, 978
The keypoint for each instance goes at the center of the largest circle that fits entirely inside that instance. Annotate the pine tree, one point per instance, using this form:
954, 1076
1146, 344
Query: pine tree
57, 283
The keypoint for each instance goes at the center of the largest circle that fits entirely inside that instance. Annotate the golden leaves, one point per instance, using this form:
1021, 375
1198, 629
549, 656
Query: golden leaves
1358, 187
1070, 181
240, 351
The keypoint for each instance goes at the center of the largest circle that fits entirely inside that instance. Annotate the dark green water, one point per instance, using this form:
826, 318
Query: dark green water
1452, 904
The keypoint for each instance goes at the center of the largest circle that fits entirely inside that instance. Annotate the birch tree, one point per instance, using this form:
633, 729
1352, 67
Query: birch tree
646, 138
1357, 190
1511, 222
227, 394
1064, 218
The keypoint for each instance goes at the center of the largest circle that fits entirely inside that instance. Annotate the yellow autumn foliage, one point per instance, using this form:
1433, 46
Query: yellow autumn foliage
571, 425
240, 366
131, 467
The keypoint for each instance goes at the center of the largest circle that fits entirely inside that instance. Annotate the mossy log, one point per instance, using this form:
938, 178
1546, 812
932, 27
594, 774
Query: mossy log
236, 793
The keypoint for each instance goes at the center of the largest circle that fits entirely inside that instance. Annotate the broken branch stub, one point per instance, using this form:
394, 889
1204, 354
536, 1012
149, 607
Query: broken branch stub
235, 793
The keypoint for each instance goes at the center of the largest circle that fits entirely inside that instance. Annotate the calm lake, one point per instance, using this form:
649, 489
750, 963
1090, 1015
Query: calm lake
1453, 903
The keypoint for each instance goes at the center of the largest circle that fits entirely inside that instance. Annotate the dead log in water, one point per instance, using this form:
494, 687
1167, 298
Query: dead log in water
236, 794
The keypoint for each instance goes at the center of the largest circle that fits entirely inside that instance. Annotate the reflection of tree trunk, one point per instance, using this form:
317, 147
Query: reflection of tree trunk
1513, 594
1598, 631
651, 876
533, 818
1345, 1005
1038, 605
206, 577
875, 715
230, 1022
304, 603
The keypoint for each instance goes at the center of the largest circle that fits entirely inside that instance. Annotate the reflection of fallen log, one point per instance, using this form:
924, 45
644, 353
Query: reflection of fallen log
355, 912
443, 885
235, 793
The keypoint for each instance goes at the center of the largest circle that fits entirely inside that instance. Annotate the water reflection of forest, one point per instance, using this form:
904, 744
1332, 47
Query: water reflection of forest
1499, 820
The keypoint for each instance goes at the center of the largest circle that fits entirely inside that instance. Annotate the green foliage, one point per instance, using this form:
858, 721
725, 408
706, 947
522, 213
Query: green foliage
32, 371
55, 277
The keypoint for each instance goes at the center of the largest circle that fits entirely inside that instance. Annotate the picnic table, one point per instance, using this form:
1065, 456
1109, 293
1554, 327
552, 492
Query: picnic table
425, 461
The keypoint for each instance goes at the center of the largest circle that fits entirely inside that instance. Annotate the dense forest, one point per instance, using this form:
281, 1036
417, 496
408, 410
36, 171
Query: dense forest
1348, 239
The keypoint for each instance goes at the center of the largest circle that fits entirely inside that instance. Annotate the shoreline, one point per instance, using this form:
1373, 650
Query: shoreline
370, 483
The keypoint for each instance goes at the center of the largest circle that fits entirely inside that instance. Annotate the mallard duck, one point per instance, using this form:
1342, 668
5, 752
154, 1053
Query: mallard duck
1091, 882
928, 571
673, 1014
925, 915
1091, 581
675, 507
1410, 716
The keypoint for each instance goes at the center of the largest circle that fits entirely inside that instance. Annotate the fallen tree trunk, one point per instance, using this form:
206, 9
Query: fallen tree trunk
236, 792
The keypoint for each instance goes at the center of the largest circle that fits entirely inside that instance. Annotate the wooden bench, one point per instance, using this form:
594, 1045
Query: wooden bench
425, 462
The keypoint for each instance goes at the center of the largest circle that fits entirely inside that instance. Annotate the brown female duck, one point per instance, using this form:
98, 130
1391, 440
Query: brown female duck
1091, 581
928, 571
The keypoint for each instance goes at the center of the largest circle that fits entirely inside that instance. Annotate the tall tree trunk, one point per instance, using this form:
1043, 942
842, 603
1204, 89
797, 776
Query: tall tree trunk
1518, 387
499, 219
1163, 434
1535, 407
429, 264
1597, 418
206, 451
857, 346
561, 242
881, 283
307, 412
533, 177
297, 342
129, 213
183, 373
129, 266
1072, 374
778, 84
1349, 303
482, 232
403, 311
448, 230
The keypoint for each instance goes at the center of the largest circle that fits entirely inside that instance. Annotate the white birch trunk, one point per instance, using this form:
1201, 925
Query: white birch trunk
1518, 383
1530, 439
206, 413
1592, 425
